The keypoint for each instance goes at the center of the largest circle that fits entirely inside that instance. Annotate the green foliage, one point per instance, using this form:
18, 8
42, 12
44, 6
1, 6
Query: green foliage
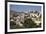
12, 25
28, 23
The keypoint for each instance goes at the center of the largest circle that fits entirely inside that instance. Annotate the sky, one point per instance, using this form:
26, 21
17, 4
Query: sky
26, 8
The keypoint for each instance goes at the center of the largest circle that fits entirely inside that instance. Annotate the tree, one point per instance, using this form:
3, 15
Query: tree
28, 23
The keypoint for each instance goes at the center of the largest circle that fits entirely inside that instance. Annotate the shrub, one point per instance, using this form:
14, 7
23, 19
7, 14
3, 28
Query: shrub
28, 23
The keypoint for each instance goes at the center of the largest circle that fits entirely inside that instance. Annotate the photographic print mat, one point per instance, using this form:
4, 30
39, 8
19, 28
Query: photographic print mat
23, 4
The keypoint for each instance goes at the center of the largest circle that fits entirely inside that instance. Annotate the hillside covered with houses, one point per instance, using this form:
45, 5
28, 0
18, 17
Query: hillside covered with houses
30, 19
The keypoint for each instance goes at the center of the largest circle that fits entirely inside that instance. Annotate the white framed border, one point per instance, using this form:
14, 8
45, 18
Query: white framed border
8, 19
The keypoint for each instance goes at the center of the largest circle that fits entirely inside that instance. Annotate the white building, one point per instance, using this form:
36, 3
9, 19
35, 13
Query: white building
35, 17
